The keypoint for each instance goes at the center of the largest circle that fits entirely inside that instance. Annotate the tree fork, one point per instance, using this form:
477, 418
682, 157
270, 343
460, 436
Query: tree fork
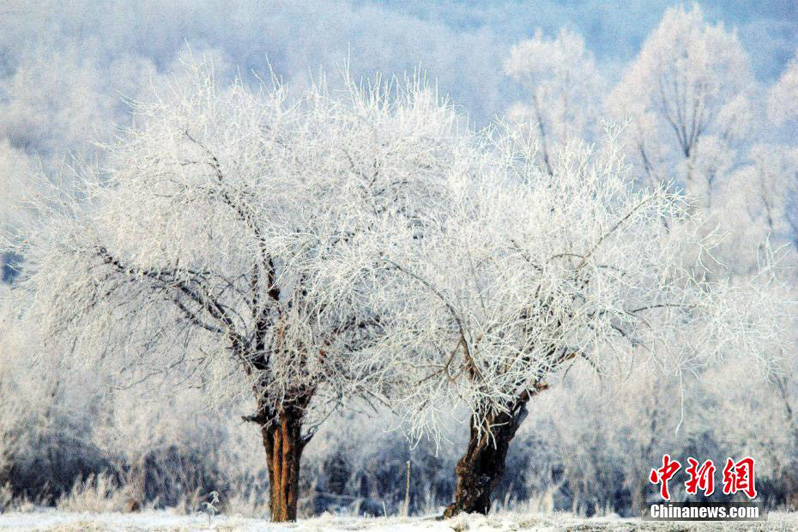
482, 466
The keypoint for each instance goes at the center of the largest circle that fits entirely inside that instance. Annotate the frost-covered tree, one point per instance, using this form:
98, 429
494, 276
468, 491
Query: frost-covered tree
777, 165
525, 273
783, 96
15, 169
757, 417
563, 86
223, 241
687, 97
758, 202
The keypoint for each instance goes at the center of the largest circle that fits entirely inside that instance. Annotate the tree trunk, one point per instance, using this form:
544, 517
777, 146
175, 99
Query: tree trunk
284, 444
481, 468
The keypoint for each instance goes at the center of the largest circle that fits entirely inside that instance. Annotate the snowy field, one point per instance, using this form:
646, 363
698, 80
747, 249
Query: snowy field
165, 521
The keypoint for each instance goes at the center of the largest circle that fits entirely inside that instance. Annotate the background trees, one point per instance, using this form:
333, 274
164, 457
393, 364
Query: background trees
687, 95
781, 97
563, 90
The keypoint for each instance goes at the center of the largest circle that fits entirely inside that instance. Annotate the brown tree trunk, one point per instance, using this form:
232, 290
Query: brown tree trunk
284, 444
482, 466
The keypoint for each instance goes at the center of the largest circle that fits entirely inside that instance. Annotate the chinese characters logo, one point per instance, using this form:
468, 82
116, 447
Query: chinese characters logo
738, 477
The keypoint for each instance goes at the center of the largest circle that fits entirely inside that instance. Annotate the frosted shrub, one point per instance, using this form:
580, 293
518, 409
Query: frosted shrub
96, 494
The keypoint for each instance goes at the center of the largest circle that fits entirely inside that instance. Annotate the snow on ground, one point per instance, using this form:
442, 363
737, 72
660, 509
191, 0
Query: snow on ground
162, 521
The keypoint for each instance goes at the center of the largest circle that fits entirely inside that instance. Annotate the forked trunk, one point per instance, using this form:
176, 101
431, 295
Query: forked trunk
481, 468
284, 444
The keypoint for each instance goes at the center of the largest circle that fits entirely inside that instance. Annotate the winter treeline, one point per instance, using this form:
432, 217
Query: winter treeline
303, 295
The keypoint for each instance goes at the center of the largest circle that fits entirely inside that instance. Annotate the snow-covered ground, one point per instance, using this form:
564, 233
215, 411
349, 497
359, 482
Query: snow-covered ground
163, 521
